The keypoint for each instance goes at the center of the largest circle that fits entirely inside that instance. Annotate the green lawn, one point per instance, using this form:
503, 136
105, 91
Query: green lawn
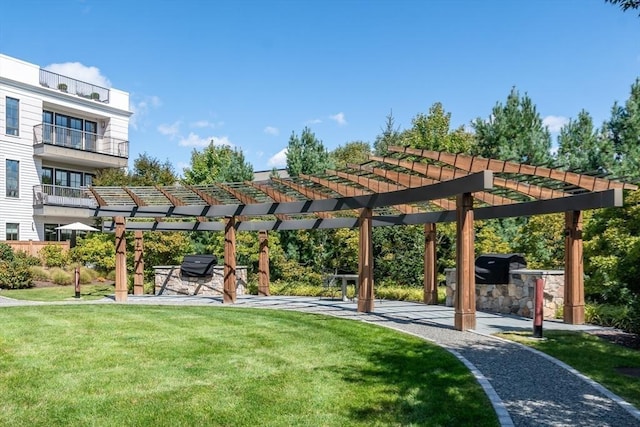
60, 293
591, 355
178, 366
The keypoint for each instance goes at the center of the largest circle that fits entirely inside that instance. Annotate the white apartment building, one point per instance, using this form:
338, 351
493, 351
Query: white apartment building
55, 133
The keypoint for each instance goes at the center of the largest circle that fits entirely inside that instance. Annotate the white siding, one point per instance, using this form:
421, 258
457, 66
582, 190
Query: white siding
20, 80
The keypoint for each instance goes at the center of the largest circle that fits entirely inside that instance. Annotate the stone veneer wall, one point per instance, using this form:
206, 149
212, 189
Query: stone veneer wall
169, 281
517, 297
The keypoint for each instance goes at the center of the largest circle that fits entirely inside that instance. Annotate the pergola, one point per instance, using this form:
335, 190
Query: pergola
410, 186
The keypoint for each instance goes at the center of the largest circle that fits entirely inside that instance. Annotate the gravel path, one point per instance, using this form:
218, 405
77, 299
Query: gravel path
526, 388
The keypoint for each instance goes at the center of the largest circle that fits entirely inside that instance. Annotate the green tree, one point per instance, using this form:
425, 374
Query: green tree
306, 154
112, 177
622, 131
626, 4
217, 163
148, 170
514, 131
432, 132
390, 136
351, 152
581, 148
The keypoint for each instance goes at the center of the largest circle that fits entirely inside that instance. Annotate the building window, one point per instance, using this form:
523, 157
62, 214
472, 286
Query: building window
13, 178
13, 231
53, 235
13, 116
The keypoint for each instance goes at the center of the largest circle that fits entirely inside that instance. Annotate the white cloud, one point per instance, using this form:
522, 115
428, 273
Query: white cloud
206, 124
270, 130
339, 118
171, 130
313, 122
194, 140
140, 109
278, 160
554, 123
81, 72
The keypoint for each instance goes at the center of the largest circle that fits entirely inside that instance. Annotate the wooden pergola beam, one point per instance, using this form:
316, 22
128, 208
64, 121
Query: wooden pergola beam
475, 163
138, 264
573, 312
410, 180
441, 173
348, 190
281, 197
263, 265
587, 201
99, 199
378, 186
475, 182
430, 265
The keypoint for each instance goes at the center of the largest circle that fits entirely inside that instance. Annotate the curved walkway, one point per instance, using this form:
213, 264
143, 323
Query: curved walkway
527, 388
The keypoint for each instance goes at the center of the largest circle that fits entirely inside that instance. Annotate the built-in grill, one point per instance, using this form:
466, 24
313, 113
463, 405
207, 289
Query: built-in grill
198, 265
493, 269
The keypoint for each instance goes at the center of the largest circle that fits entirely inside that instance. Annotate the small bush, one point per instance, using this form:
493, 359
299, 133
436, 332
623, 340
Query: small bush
111, 275
39, 273
86, 275
54, 256
15, 275
61, 277
6, 252
614, 316
29, 260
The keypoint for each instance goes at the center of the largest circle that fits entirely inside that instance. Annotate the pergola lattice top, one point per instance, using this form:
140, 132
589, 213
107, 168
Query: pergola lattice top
411, 181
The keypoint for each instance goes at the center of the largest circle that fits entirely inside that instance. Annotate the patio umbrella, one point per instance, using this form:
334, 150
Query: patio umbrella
75, 227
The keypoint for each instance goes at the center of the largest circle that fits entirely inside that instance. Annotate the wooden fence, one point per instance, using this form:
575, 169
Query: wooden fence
33, 248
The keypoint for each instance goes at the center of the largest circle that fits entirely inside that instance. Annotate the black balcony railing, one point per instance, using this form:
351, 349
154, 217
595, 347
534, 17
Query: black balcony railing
73, 86
57, 195
49, 134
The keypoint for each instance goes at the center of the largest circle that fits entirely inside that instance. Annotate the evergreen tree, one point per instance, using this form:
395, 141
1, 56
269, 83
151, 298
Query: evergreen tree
390, 136
306, 154
514, 131
622, 131
581, 148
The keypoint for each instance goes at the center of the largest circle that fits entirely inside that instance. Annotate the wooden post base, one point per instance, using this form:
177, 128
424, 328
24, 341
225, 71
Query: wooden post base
365, 305
574, 314
464, 321
431, 297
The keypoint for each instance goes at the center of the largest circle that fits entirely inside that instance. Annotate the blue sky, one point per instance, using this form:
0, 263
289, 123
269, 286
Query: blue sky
248, 73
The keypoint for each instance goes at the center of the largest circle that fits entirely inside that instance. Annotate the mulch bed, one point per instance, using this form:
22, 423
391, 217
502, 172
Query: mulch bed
624, 339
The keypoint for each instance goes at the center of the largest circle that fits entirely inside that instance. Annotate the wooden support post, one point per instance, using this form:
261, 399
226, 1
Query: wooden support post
230, 261
465, 302
121, 260
430, 269
573, 269
138, 265
365, 263
263, 265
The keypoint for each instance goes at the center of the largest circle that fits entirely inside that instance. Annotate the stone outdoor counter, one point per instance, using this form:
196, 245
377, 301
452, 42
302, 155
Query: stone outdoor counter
169, 281
517, 297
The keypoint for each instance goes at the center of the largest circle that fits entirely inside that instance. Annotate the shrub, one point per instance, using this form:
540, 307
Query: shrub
61, 277
6, 252
97, 250
111, 275
39, 273
15, 275
86, 275
54, 256
29, 260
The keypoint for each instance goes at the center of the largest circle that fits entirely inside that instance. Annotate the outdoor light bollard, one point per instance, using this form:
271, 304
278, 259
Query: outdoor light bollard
77, 282
538, 311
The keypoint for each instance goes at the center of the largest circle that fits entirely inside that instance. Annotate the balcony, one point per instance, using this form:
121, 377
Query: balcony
79, 147
73, 86
59, 201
